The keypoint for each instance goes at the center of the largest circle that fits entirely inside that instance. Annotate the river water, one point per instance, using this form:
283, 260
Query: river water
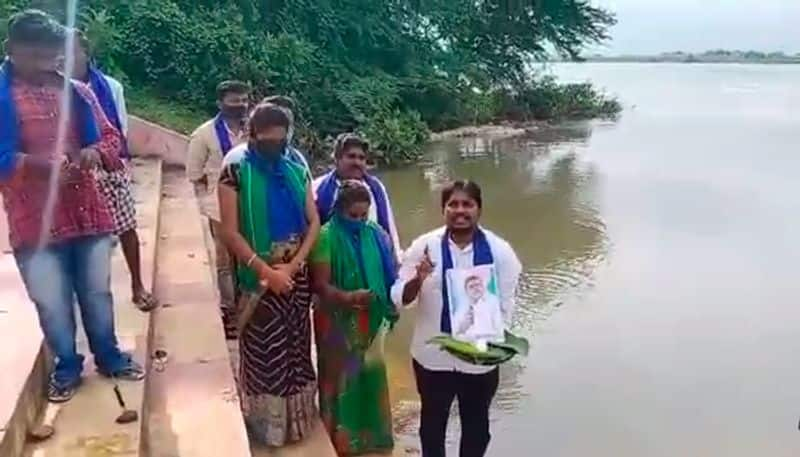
660, 290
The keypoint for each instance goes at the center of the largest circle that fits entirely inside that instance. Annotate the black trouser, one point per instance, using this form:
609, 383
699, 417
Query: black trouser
437, 390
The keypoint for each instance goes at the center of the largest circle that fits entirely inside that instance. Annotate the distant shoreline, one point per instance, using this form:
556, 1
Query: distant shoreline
657, 60
716, 57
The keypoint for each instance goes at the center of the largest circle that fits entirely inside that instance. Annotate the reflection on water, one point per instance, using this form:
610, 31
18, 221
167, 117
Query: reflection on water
539, 194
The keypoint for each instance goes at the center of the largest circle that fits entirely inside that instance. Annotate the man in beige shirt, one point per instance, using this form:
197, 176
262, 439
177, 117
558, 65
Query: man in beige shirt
207, 147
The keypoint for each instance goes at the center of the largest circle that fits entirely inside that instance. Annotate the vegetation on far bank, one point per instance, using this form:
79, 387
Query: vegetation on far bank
392, 69
714, 56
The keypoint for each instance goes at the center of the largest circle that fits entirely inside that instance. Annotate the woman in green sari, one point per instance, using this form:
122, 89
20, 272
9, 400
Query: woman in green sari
352, 269
270, 223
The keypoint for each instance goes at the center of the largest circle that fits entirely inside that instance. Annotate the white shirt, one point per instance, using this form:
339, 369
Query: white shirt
429, 301
204, 159
373, 210
118, 93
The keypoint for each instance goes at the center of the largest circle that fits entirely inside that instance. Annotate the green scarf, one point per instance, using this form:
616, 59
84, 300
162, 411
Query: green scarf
254, 224
347, 274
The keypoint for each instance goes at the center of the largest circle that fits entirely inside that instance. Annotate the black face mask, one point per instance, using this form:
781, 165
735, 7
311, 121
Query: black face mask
268, 148
234, 111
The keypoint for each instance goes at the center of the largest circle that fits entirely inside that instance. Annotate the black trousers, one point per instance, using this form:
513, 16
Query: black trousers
437, 390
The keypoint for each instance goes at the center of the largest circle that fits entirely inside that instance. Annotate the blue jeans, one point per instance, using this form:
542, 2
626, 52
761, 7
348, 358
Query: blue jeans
53, 277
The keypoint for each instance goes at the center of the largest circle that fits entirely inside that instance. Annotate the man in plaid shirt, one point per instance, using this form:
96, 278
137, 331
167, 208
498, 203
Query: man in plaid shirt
116, 184
62, 248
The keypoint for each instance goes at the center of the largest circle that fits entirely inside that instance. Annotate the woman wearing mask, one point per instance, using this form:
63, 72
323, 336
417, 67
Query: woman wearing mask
270, 223
353, 269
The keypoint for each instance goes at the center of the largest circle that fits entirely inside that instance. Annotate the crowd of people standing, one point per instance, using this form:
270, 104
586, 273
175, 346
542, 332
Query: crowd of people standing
295, 255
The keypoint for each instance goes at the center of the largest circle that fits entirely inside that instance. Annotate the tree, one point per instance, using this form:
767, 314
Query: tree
379, 66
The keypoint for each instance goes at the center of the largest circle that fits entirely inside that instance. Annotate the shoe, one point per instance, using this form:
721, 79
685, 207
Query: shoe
132, 372
60, 394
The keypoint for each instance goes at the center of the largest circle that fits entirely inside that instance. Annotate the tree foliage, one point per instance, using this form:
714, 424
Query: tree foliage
389, 68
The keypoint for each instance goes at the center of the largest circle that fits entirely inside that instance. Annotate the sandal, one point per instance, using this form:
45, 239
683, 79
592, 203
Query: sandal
57, 393
131, 372
145, 301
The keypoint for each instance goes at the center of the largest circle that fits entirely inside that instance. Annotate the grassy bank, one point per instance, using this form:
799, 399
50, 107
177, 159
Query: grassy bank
171, 114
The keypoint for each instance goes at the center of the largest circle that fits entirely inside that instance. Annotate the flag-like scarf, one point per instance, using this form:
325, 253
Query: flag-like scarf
101, 89
362, 258
272, 199
329, 187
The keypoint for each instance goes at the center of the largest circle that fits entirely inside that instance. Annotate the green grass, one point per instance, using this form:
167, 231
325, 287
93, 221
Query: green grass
167, 113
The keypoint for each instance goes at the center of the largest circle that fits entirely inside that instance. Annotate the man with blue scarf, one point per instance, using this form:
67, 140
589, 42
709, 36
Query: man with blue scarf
441, 377
116, 184
208, 146
350, 155
60, 235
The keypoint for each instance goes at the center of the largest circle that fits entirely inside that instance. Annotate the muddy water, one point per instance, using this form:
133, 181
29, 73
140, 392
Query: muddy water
660, 285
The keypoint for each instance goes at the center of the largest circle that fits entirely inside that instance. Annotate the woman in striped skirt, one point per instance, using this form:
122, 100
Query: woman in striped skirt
270, 222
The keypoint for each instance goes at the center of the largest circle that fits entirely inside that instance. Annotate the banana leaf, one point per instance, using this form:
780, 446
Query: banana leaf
495, 353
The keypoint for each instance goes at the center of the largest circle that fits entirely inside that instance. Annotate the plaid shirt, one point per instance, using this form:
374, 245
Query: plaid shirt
80, 209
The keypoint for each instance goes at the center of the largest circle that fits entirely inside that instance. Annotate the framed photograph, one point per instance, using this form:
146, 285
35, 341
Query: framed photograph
475, 314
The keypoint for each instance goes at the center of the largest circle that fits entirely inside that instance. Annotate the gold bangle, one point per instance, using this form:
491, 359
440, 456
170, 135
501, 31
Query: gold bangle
251, 260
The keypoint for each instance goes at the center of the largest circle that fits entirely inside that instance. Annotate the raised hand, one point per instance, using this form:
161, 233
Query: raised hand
425, 267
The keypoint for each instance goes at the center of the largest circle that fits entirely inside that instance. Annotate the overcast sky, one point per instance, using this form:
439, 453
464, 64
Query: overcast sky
654, 26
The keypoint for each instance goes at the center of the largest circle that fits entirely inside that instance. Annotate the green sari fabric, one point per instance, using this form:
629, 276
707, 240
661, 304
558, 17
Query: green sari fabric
353, 385
254, 222
348, 272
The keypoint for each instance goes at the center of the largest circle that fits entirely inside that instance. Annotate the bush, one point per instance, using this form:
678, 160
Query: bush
396, 137
544, 98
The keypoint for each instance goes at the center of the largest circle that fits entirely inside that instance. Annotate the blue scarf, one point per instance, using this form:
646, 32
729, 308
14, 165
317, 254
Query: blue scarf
326, 198
482, 255
296, 156
353, 228
101, 89
222, 134
287, 215
84, 120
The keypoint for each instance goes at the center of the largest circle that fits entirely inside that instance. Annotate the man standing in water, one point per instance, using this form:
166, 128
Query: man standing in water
71, 255
209, 144
350, 155
441, 378
116, 184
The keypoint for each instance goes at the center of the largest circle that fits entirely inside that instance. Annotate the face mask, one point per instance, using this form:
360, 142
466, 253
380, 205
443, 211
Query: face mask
268, 148
352, 225
234, 111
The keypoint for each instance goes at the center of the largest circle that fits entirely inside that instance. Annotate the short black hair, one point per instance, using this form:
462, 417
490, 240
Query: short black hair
232, 87
35, 27
471, 188
281, 100
351, 192
472, 278
266, 115
346, 141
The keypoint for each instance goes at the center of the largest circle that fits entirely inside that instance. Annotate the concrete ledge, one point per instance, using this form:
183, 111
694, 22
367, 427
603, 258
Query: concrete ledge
24, 363
148, 139
30, 402
192, 408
